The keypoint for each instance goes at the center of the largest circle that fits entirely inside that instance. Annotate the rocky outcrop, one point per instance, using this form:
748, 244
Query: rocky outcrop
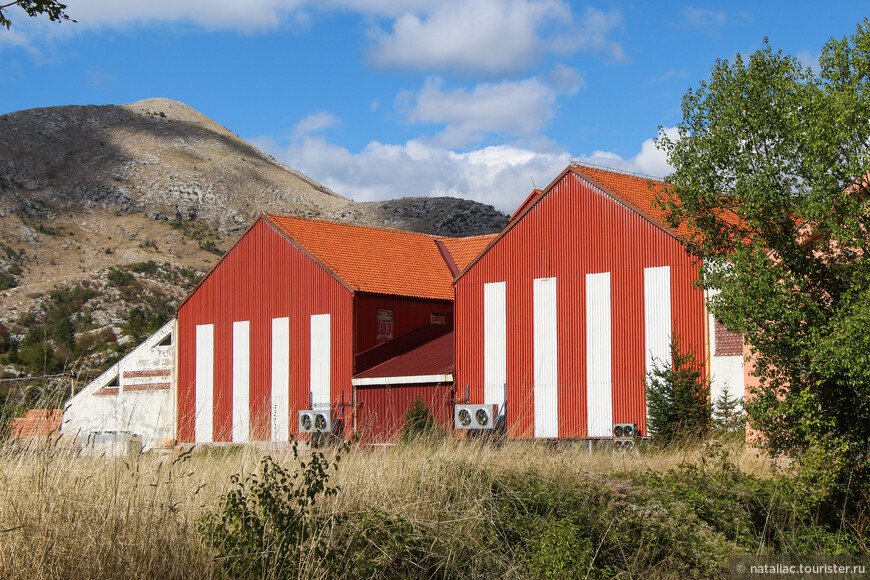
165, 160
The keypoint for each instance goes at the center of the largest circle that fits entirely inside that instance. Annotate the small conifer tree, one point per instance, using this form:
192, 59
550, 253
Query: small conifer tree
728, 416
678, 398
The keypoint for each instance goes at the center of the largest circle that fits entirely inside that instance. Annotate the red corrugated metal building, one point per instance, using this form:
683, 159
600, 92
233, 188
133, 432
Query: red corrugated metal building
566, 310
418, 364
274, 328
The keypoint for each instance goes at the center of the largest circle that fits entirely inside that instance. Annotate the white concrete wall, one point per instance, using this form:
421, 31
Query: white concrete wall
726, 372
142, 403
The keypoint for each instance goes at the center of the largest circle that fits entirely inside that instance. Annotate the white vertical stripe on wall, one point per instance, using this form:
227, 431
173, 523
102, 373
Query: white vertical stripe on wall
280, 379
546, 359
494, 342
599, 380
204, 384
320, 360
241, 381
657, 316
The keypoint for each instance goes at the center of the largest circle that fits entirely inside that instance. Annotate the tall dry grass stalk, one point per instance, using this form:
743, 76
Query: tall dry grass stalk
65, 515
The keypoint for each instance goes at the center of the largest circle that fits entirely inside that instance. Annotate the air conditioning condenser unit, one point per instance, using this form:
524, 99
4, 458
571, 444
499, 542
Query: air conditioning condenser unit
311, 421
475, 416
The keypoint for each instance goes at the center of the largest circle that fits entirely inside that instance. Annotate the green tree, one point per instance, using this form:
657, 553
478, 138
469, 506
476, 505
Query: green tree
728, 414
771, 182
678, 398
51, 8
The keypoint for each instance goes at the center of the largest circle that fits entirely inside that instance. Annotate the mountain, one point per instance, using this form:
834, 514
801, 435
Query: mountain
92, 192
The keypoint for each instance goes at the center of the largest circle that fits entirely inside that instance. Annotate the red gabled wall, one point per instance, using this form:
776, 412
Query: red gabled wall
409, 313
263, 277
572, 231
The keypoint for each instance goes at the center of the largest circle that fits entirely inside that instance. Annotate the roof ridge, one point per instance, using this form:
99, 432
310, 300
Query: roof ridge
355, 225
625, 172
470, 237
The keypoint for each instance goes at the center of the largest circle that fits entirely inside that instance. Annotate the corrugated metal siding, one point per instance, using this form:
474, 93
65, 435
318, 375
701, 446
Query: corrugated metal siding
263, 278
408, 315
575, 230
382, 409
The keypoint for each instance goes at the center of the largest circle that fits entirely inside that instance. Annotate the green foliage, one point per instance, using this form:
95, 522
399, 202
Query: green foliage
210, 246
419, 424
55, 11
8, 412
782, 515
7, 279
601, 529
728, 416
678, 398
268, 525
37, 354
149, 267
770, 182
142, 322
119, 278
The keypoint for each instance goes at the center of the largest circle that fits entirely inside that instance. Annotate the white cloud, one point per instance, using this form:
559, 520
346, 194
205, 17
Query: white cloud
499, 175
701, 18
315, 122
483, 35
650, 161
593, 35
247, 16
515, 108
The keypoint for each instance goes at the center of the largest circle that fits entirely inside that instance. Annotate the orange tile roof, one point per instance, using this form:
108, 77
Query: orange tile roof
372, 259
464, 250
638, 191
37, 423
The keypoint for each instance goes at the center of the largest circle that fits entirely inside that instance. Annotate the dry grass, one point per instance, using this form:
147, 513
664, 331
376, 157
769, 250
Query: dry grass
63, 515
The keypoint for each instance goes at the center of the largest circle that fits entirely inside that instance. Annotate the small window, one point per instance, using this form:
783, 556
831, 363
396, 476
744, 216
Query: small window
386, 320
436, 318
167, 341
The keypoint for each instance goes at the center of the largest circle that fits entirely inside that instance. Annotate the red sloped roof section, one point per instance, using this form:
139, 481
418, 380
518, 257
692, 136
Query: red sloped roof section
371, 259
424, 351
398, 346
532, 197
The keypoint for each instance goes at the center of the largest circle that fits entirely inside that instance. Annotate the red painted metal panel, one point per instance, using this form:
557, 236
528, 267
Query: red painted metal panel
575, 230
408, 314
427, 350
382, 409
262, 278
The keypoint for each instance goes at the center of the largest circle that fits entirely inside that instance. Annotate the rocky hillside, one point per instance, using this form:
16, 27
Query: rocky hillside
162, 159
155, 190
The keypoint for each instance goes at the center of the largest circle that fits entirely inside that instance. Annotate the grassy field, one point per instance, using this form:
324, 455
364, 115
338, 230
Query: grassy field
444, 509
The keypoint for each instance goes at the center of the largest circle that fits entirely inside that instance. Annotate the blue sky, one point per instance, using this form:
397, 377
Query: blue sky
379, 99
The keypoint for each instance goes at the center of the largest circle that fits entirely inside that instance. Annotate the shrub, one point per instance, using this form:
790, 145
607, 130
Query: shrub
149, 267
119, 278
267, 525
419, 424
678, 397
7, 280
